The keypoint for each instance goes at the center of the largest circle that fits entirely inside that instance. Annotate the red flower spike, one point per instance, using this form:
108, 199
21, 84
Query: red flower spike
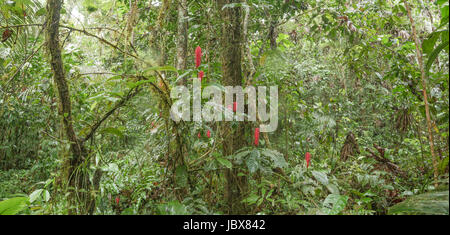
201, 74
256, 136
234, 106
208, 134
198, 56
117, 200
199, 135
308, 159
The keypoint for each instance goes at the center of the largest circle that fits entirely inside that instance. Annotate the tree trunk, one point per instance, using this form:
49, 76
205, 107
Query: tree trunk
182, 37
425, 95
232, 76
76, 178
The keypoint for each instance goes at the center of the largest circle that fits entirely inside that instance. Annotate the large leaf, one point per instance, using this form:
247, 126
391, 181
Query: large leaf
321, 177
13, 206
113, 131
334, 204
252, 162
434, 55
429, 43
434, 203
172, 208
224, 162
35, 195
276, 157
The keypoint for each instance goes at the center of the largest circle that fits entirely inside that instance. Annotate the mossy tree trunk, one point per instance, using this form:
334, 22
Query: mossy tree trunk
74, 176
231, 41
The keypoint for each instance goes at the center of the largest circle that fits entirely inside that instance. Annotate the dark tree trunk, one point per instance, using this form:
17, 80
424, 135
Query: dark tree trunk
232, 76
182, 37
76, 178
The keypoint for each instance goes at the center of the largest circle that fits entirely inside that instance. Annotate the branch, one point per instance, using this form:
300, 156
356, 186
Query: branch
131, 94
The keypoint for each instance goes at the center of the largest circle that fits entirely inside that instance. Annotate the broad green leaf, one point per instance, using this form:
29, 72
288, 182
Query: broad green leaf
334, 204
434, 203
224, 162
41, 12
35, 195
113, 131
333, 189
132, 85
13, 206
434, 55
276, 157
321, 177
252, 162
429, 43
252, 199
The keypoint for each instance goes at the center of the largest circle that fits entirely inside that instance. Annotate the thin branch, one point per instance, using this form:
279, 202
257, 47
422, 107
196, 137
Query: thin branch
131, 94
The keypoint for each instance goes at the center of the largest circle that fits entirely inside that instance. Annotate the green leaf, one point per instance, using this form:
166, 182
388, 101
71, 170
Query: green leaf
172, 208
434, 55
334, 204
132, 85
241, 154
224, 162
35, 195
46, 196
276, 157
440, 2
321, 177
41, 12
434, 203
429, 43
252, 199
13, 206
333, 189
113, 131
252, 161
444, 14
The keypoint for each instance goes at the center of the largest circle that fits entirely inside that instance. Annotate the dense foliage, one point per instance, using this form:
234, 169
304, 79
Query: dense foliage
363, 107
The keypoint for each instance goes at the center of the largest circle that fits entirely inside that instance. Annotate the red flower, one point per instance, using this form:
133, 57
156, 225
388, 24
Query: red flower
117, 200
201, 74
308, 159
198, 56
208, 134
256, 136
199, 135
234, 106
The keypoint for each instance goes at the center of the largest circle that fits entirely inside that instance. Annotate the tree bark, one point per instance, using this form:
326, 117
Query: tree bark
182, 37
425, 95
76, 179
231, 41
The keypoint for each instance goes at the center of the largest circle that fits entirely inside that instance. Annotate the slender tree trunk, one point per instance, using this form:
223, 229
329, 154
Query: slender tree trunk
182, 37
76, 178
273, 35
231, 41
425, 95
